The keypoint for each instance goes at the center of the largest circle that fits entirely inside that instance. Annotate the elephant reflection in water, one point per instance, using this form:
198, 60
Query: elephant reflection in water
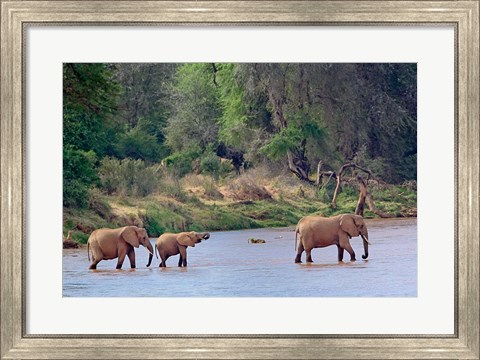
318, 231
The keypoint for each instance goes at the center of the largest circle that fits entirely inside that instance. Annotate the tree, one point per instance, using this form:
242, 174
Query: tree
294, 121
139, 144
89, 104
145, 98
196, 109
78, 175
334, 113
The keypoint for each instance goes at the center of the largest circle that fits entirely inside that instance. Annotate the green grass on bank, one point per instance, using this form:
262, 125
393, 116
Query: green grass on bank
194, 208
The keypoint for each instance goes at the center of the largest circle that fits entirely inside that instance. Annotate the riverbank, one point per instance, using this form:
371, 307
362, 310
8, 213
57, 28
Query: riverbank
201, 203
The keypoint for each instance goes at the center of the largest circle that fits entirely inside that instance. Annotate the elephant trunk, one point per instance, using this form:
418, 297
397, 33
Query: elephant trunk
150, 250
365, 245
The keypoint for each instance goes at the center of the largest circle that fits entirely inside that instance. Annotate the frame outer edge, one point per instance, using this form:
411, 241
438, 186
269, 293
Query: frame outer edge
472, 106
239, 12
18, 205
7, 190
14, 345
468, 201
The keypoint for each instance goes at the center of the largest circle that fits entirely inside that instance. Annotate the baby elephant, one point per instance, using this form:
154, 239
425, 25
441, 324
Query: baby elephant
169, 244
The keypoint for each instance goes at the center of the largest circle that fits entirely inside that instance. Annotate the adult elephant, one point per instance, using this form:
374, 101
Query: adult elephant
169, 244
107, 244
318, 232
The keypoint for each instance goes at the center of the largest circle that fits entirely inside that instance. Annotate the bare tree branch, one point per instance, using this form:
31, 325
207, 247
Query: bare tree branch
342, 170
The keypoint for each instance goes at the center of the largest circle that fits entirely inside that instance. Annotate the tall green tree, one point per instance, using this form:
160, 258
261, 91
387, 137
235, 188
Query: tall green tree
291, 121
90, 102
195, 109
90, 106
145, 107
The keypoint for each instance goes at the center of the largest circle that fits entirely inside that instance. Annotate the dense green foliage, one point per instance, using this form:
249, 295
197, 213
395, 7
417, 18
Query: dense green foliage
136, 129
78, 174
90, 99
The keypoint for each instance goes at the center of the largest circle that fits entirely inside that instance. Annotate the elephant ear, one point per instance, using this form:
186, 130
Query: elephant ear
185, 239
348, 225
358, 220
129, 234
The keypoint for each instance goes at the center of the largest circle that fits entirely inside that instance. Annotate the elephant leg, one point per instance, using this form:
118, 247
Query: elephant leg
345, 243
97, 256
349, 249
180, 261
298, 258
94, 263
131, 257
163, 257
121, 257
183, 255
308, 252
340, 253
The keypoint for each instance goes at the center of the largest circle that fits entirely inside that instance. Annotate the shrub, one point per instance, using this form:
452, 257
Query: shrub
246, 188
138, 144
100, 207
109, 173
146, 182
192, 180
78, 176
180, 163
170, 186
127, 176
210, 188
159, 219
210, 164
80, 237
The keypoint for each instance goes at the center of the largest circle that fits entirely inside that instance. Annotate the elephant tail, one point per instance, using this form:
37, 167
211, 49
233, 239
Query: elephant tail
156, 253
296, 236
88, 245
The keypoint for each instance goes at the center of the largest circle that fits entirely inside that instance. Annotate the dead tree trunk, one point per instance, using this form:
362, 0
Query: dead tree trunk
321, 174
333, 204
344, 167
298, 162
365, 196
361, 198
318, 180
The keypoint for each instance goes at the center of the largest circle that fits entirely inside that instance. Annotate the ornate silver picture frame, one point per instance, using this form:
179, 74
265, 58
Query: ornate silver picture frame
17, 15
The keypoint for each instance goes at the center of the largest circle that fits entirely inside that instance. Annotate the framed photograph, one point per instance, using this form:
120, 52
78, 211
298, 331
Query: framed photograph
195, 156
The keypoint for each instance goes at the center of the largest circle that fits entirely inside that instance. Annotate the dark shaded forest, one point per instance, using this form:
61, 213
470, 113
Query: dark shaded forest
288, 114
128, 126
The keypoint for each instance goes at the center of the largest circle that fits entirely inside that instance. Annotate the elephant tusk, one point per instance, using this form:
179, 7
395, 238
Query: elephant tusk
149, 252
364, 238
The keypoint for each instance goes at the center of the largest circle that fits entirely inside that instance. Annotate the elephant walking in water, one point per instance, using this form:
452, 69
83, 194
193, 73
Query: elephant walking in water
107, 244
169, 244
318, 231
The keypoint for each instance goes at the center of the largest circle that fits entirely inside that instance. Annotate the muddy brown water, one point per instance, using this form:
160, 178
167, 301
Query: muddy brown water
226, 265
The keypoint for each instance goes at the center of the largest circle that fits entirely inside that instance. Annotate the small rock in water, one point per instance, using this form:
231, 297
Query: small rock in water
256, 241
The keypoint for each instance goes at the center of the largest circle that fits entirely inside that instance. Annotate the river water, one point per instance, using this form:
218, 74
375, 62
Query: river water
226, 265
